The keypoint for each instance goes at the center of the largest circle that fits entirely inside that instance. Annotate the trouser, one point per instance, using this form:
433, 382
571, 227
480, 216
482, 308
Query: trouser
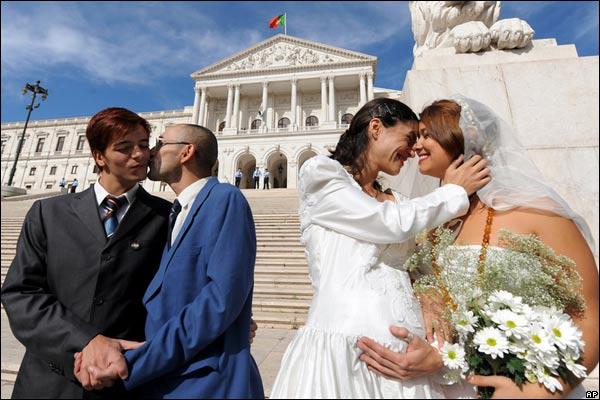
256, 183
237, 182
266, 184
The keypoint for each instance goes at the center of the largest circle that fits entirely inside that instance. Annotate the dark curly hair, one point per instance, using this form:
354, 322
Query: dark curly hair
351, 149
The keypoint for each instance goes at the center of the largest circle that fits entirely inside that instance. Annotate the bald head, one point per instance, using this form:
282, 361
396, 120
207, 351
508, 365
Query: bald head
204, 141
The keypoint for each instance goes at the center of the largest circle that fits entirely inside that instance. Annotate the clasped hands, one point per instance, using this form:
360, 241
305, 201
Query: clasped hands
101, 363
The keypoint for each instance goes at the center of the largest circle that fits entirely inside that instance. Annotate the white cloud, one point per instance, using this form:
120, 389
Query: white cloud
343, 25
114, 44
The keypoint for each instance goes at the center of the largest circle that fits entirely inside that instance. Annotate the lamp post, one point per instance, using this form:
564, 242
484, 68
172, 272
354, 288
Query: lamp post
35, 89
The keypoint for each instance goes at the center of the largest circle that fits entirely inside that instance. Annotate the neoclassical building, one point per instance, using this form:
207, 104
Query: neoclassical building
273, 105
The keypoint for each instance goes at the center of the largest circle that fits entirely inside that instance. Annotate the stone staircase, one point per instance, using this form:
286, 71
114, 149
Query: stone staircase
282, 290
11, 227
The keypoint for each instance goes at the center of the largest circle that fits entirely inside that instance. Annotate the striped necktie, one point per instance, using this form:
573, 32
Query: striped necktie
112, 204
175, 210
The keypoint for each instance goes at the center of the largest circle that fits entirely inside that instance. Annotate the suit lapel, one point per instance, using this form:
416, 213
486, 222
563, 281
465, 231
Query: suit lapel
168, 254
85, 206
137, 212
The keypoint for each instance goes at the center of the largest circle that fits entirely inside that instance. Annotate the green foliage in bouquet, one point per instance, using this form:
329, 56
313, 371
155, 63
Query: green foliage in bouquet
513, 316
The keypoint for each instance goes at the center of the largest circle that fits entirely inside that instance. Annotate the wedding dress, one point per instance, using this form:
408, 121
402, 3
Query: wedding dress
356, 248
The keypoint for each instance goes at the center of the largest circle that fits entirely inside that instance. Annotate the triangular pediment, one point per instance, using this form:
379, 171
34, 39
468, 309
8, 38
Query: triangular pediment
284, 52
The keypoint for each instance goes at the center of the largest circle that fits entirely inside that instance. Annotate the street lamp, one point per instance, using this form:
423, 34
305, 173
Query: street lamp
35, 89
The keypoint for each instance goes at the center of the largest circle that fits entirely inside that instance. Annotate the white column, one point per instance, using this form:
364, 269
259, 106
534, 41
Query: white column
236, 107
370, 86
323, 99
200, 119
229, 101
332, 112
264, 104
298, 110
363, 92
205, 119
294, 103
196, 109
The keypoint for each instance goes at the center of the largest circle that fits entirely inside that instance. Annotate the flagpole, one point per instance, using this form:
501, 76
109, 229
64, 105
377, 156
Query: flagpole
285, 25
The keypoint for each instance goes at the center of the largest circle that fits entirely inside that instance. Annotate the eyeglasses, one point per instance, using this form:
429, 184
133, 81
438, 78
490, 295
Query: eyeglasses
161, 142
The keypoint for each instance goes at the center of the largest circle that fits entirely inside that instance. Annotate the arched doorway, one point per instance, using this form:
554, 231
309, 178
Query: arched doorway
305, 155
247, 163
277, 165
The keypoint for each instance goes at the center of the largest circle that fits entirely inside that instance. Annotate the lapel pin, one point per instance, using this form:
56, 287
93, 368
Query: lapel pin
135, 245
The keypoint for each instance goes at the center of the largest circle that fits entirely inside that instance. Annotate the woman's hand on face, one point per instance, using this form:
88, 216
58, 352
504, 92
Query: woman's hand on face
472, 174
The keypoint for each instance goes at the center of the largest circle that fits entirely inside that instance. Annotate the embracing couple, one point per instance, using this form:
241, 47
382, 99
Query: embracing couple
367, 335
117, 293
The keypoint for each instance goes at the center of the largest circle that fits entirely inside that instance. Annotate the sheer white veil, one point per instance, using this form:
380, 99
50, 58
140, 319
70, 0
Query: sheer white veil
516, 181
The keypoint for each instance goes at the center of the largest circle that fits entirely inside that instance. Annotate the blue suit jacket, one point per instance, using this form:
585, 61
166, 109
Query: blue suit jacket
199, 306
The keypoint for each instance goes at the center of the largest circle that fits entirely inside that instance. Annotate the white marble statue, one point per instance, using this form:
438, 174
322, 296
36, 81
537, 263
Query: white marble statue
468, 26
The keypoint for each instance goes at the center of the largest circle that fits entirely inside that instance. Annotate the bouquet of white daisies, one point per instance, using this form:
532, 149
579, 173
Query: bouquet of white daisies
512, 316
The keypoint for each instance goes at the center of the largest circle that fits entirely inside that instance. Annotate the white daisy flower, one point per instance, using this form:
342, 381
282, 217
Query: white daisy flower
511, 323
464, 322
564, 334
491, 341
539, 340
499, 298
577, 369
570, 360
542, 351
454, 356
545, 378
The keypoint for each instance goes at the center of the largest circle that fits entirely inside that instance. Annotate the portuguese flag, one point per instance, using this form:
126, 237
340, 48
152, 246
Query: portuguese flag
277, 21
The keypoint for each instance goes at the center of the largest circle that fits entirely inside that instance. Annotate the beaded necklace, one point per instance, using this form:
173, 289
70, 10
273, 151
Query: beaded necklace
437, 271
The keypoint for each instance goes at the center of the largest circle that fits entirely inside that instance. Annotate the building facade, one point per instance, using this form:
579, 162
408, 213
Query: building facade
271, 106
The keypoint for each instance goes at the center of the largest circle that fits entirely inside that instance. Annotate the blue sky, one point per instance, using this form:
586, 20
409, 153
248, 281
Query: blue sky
140, 55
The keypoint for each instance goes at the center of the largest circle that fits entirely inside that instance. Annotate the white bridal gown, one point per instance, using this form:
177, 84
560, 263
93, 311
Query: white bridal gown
355, 247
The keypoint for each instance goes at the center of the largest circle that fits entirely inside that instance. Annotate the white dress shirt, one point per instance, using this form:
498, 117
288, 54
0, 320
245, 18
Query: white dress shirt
186, 199
101, 194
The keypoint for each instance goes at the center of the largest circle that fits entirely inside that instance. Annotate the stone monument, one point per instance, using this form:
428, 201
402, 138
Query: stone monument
544, 90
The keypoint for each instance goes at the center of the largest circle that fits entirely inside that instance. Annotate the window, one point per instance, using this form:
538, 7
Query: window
32, 171
49, 186
283, 122
347, 119
312, 121
163, 187
3, 145
28, 186
40, 145
96, 169
256, 124
74, 169
52, 171
80, 142
60, 144
221, 126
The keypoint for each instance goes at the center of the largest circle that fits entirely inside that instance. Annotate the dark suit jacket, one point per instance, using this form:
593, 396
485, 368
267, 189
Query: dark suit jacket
68, 283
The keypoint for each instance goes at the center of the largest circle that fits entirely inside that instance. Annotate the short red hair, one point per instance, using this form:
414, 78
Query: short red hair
111, 124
